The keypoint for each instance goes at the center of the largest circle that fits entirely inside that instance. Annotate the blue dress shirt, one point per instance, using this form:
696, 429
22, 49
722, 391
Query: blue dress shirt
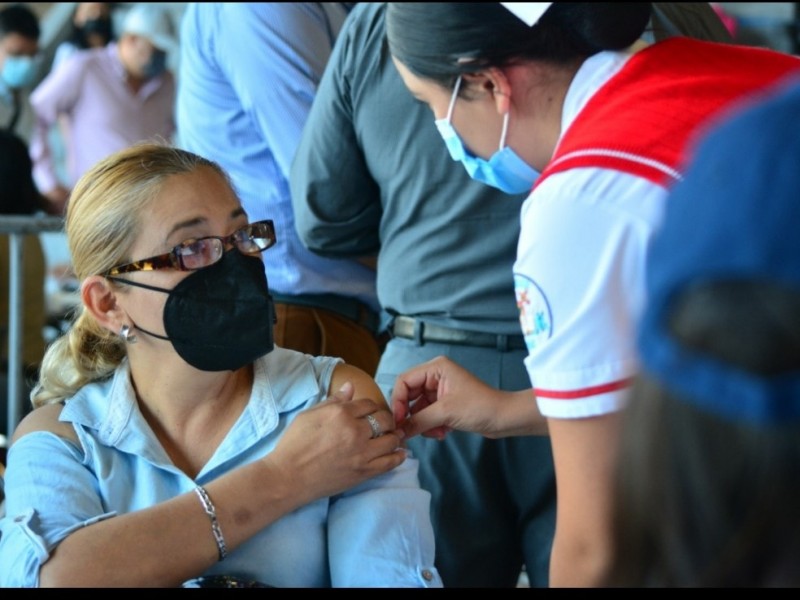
247, 81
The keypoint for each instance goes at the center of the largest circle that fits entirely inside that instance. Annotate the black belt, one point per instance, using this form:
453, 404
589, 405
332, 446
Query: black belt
353, 309
414, 329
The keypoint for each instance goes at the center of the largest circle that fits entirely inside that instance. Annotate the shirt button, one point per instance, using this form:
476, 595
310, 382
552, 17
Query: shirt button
427, 575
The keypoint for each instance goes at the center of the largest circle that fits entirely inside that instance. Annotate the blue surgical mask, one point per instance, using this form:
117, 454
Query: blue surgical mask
18, 71
505, 170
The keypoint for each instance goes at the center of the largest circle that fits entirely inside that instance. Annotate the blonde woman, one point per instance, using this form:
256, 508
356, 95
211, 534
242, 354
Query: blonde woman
171, 440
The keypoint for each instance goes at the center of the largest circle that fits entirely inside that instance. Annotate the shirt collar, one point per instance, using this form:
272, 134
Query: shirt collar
109, 407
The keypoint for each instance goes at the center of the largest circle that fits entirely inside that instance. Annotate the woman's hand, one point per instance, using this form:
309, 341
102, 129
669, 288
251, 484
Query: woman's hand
330, 447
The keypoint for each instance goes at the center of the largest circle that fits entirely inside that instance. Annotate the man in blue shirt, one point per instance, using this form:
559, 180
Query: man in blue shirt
249, 72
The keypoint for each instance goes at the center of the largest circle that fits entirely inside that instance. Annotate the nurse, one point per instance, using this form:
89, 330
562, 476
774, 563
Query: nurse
565, 100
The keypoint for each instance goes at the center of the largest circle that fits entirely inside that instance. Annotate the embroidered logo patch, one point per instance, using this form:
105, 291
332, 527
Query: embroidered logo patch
534, 311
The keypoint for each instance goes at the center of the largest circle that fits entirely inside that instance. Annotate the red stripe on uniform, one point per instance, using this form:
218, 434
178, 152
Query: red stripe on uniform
585, 392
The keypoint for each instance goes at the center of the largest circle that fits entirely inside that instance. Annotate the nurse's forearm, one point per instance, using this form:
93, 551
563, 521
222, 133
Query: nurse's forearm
518, 414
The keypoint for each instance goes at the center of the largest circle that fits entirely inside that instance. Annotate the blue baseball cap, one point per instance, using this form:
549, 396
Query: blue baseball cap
734, 216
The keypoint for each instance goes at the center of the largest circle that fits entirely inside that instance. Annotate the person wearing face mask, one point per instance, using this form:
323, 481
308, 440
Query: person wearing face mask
19, 47
171, 441
92, 27
370, 176
105, 99
565, 100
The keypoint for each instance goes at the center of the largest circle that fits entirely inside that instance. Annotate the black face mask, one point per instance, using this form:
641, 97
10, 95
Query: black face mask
100, 27
156, 65
220, 317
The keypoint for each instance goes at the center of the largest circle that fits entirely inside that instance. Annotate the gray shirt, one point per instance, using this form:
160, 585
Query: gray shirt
373, 176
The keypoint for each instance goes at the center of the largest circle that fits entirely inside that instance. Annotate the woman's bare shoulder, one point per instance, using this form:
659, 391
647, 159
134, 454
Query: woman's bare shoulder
365, 386
45, 418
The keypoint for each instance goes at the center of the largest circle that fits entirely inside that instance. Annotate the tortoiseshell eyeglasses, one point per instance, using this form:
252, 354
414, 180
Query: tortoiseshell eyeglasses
204, 252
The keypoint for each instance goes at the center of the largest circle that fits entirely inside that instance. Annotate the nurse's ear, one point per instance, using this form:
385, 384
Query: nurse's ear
494, 82
99, 297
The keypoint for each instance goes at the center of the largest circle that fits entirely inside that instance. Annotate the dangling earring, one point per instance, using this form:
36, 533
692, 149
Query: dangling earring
127, 335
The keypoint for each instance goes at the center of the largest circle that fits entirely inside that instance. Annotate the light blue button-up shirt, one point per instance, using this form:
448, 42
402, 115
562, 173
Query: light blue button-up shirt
376, 534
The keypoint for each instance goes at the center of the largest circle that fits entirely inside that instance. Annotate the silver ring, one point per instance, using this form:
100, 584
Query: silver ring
374, 425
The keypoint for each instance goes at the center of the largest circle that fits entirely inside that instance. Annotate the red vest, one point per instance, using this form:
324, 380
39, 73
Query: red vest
643, 120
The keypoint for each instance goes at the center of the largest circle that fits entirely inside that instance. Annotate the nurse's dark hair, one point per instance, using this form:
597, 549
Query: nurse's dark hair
442, 40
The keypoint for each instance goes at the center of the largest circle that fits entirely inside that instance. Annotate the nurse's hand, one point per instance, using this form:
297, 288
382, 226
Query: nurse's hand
440, 396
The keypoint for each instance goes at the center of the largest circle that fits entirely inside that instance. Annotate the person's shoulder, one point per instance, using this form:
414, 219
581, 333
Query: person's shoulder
45, 418
64, 51
287, 358
366, 22
368, 11
84, 56
266, 10
364, 384
72, 67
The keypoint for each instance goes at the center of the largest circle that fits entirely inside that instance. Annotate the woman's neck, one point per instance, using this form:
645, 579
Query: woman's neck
191, 412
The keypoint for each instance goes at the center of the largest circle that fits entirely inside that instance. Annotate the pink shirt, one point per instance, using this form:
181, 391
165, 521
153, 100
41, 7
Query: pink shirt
104, 114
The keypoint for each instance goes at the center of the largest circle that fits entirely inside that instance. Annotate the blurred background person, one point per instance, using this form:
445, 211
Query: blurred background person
109, 98
92, 26
19, 48
249, 72
708, 477
19, 196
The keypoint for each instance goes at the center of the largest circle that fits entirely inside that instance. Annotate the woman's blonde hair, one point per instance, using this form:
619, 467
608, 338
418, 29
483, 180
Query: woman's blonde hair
103, 220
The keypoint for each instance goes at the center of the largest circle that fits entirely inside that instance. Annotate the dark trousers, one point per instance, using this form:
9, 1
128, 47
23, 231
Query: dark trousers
493, 502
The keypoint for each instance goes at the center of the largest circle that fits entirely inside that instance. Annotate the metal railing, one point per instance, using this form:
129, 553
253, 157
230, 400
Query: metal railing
17, 227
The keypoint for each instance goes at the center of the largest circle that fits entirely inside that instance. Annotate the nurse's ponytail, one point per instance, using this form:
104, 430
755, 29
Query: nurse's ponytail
599, 26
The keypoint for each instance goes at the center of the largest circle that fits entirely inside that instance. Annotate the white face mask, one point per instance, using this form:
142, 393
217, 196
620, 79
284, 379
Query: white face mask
505, 170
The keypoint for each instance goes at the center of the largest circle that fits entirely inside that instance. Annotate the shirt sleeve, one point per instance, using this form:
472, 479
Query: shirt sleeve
381, 531
55, 95
336, 201
274, 55
43, 506
579, 281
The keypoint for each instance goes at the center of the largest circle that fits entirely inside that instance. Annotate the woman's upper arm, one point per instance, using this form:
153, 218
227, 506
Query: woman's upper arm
45, 418
50, 492
365, 386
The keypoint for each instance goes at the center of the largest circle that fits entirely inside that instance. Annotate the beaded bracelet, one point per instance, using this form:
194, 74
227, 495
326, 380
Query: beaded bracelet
211, 511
